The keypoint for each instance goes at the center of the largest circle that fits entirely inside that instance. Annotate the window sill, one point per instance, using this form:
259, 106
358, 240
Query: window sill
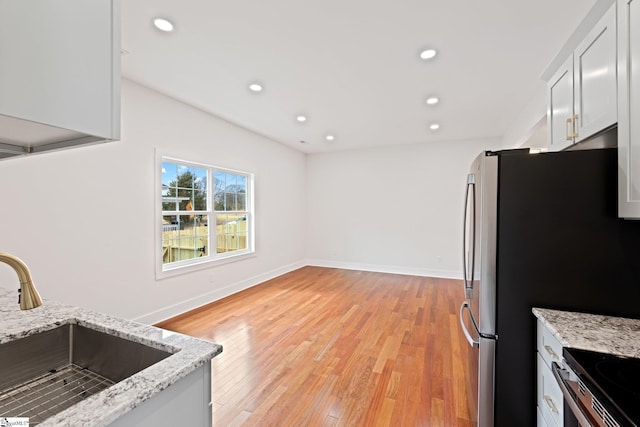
210, 263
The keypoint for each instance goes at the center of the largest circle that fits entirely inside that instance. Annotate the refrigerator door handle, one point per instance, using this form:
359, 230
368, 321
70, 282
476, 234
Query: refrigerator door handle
472, 342
468, 281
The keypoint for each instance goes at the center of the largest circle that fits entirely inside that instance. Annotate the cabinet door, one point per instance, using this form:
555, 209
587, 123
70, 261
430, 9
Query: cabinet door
560, 107
541, 422
629, 108
549, 395
61, 64
184, 403
595, 104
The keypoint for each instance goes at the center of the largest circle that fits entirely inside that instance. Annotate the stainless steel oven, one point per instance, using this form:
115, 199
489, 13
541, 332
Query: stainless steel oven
599, 389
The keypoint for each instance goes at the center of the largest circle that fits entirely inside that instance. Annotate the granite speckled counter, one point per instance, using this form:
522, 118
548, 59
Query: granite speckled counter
107, 406
605, 334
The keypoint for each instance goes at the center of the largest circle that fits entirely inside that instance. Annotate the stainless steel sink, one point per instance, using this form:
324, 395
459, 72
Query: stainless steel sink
48, 372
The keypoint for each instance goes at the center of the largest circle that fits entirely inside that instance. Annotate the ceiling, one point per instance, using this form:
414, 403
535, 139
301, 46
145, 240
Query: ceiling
351, 66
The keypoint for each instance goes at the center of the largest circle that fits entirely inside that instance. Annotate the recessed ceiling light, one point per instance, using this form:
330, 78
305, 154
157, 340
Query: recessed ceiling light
163, 24
428, 53
330, 137
255, 87
301, 118
433, 100
434, 126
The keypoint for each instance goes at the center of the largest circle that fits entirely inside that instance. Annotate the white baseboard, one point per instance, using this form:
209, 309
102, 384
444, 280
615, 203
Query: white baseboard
206, 298
411, 271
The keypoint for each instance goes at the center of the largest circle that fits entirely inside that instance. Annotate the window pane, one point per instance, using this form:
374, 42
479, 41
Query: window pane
241, 201
170, 239
241, 184
218, 196
230, 186
184, 199
231, 230
184, 237
230, 201
242, 240
183, 187
229, 189
230, 192
202, 235
168, 185
221, 233
241, 231
231, 243
181, 169
200, 189
169, 173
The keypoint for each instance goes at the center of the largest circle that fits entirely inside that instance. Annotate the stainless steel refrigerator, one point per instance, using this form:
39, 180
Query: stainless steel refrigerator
540, 230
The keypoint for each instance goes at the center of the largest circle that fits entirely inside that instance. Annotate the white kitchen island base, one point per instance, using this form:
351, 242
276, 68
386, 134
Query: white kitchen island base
185, 403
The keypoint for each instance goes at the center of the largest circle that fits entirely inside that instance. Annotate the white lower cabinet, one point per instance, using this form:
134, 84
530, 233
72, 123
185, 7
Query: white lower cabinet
540, 420
549, 396
185, 403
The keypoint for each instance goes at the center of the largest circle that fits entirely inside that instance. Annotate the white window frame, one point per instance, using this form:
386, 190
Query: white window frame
213, 259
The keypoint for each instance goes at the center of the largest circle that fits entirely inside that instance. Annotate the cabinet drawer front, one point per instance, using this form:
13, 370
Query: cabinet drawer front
541, 421
549, 396
548, 346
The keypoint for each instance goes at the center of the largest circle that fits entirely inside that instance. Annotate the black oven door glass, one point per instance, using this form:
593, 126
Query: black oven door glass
614, 380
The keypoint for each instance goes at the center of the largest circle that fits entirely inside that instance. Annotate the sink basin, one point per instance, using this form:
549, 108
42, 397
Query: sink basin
48, 372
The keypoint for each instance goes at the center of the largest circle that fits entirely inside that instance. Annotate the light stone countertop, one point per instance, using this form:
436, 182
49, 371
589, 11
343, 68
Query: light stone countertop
105, 407
605, 334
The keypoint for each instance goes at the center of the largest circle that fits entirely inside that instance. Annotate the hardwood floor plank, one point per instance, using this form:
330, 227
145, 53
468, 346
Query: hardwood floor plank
331, 347
266, 405
374, 414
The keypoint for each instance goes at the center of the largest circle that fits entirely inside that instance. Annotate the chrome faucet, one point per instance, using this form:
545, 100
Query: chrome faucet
28, 297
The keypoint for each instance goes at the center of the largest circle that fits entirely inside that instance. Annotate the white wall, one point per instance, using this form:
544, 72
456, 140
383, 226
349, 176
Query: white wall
395, 209
83, 220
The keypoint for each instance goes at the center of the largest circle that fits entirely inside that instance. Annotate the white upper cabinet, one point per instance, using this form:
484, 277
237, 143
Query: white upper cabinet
582, 93
60, 74
560, 107
629, 109
594, 71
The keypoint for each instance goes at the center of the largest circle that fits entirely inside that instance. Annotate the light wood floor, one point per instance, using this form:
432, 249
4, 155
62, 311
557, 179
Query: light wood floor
329, 347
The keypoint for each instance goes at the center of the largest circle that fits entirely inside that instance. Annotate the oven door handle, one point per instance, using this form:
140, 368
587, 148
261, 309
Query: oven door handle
562, 376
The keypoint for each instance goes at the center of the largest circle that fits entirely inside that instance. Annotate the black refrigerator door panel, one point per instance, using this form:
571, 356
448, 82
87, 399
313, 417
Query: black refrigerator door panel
560, 245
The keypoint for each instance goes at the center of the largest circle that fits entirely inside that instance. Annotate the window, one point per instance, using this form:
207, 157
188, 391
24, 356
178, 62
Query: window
206, 214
